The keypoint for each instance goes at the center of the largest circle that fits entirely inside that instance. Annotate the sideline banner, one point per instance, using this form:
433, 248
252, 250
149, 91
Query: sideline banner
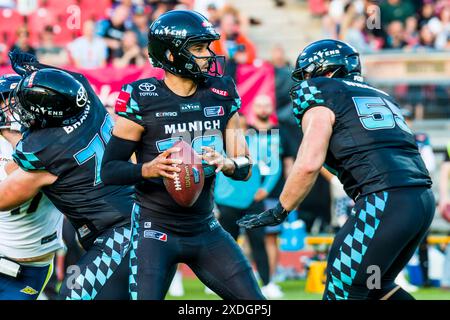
107, 82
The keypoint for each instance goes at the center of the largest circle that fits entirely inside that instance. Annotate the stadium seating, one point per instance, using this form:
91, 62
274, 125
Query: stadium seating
10, 21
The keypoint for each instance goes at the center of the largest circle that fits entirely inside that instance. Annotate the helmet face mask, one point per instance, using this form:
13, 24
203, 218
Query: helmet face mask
7, 84
330, 58
18, 112
173, 34
214, 63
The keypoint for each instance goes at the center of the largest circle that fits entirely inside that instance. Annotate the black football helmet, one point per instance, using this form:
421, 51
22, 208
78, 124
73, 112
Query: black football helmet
48, 98
8, 83
325, 56
175, 32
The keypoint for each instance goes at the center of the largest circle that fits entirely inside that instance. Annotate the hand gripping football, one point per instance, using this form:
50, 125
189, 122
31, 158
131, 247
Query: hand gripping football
188, 184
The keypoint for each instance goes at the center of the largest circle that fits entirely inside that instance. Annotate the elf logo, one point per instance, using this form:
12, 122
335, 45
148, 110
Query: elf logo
153, 234
215, 111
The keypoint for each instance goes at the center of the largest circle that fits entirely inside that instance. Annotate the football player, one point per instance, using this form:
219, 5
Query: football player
60, 153
358, 132
29, 234
192, 103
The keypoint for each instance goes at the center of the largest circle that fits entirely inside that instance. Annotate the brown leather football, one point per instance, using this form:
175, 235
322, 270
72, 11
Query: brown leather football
188, 184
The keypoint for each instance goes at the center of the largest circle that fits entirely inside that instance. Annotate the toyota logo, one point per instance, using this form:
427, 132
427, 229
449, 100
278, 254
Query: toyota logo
82, 97
147, 87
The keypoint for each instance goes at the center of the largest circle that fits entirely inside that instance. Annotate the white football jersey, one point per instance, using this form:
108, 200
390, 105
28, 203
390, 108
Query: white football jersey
35, 228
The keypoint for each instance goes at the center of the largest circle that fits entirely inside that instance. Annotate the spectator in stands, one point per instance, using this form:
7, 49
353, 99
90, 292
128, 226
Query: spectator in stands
329, 27
23, 41
283, 85
141, 25
132, 4
130, 52
395, 36
441, 28
162, 6
444, 209
347, 19
88, 51
204, 6
411, 36
48, 52
236, 198
213, 15
274, 145
426, 39
236, 47
113, 29
426, 13
426, 151
396, 10
3, 55
355, 35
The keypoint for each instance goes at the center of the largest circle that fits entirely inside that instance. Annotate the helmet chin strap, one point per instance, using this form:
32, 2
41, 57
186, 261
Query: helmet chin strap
333, 74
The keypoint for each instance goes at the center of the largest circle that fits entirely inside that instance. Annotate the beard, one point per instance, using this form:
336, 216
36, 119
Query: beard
263, 118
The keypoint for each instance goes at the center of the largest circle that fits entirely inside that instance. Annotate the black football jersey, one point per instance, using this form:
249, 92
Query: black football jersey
74, 154
371, 148
199, 119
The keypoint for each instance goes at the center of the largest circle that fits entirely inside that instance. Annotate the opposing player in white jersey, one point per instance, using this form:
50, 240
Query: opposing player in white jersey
29, 235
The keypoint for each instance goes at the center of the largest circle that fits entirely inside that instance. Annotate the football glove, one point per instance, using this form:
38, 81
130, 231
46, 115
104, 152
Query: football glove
22, 62
271, 217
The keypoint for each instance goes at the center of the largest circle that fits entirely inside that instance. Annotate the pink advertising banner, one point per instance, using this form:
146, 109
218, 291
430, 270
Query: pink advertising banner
107, 82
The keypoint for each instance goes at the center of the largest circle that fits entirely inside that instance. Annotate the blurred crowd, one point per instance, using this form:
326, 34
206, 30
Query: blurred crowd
371, 25
113, 34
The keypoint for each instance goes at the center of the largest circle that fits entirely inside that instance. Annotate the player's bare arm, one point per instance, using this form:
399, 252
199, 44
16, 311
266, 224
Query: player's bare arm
21, 186
13, 137
317, 128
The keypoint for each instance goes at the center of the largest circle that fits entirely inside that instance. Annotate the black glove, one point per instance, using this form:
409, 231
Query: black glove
22, 62
271, 217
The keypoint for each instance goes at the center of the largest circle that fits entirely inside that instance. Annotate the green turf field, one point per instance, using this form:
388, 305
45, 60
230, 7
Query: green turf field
294, 290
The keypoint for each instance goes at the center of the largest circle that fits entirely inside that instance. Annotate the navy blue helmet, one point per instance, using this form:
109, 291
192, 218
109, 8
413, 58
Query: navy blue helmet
323, 57
8, 83
48, 98
174, 32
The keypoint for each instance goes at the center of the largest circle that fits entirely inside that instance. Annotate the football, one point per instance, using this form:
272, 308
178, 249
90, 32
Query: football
188, 184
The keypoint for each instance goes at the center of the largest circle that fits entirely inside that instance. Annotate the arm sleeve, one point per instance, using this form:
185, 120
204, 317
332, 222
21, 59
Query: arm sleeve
127, 106
116, 167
